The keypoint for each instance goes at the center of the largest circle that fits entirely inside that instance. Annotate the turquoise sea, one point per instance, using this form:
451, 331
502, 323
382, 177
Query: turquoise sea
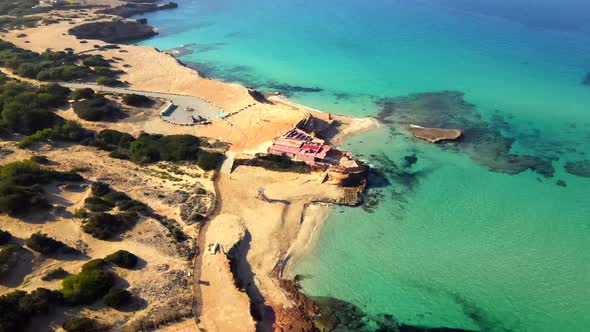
459, 235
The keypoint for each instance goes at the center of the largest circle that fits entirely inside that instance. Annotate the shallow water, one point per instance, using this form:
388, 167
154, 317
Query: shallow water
451, 242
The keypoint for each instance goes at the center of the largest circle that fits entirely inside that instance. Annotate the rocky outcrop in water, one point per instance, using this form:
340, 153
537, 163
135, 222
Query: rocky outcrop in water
483, 140
130, 9
435, 135
113, 31
578, 168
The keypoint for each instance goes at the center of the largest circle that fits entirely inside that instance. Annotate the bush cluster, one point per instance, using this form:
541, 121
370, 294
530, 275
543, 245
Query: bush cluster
25, 108
54, 66
122, 258
104, 226
136, 100
18, 307
117, 298
81, 324
148, 148
46, 245
21, 7
84, 93
8, 258
87, 286
275, 163
8, 22
20, 186
96, 108
55, 274
69, 131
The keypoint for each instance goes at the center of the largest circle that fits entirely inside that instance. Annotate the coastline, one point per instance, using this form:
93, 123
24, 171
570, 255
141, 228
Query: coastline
297, 224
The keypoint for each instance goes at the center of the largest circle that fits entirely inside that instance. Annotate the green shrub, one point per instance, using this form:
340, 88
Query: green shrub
117, 298
55, 274
42, 160
95, 61
97, 204
8, 257
119, 154
111, 140
95, 264
87, 286
275, 163
18, 307
208, 160
108, 81
69, 131
84, 93
122, 258
20, 189
81, 324
49, 65
136, 100
26, 109
46, 245
97, 108
5, 236
105, 226
81, 213
116, 196
79, 169
100, 189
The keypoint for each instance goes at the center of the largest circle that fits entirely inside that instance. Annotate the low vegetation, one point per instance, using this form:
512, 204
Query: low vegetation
54, 66
46, 245
69, 131
21, 7
88, 286
25, 108
20, 186
122, 258
9, 22
84, 93
136, 100
105, 226
55, 274
108, 81
96, 108
275, 163
18, 307
8, 258
81, 324
117, 298
148, 148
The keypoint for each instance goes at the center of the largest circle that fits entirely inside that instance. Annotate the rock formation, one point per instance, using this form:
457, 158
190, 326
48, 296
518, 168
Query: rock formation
435, 135
578, 168
130, 9
113, 31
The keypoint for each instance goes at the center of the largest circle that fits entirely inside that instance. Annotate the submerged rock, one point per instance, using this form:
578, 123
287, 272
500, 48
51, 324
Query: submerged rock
578, 168
338, 315
586, 80
483, 140
435, 135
